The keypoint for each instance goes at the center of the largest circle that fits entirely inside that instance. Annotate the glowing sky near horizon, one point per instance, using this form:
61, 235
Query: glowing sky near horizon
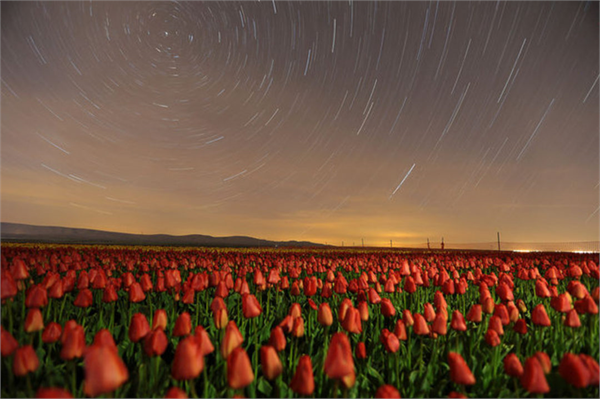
322, 121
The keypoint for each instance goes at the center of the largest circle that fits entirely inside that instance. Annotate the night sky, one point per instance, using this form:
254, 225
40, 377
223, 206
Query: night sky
322, 121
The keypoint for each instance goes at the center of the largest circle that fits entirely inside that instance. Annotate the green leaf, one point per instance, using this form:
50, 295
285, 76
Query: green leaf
264, 386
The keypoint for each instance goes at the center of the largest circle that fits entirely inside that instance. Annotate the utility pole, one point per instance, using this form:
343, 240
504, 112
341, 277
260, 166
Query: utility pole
498, 241
428, 245
363, 242
391, 246
342, 243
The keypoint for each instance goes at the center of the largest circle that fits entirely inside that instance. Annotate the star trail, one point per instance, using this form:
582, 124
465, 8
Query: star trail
322, 121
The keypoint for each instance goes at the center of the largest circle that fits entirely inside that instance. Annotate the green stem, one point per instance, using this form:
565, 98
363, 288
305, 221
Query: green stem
73, 367
29, 387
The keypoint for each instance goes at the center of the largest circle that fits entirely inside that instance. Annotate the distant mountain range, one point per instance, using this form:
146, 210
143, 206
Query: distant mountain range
16, 232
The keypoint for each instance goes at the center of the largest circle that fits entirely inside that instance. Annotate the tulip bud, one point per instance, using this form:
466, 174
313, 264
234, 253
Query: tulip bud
270, 362
239, 369
188, 362
460, 373
160, 319
387, 391
512, 365
338, 362
34, 321
51, 333
25, 361
303, 382
324, 316
277, 339
139, 327
104, 370
183, 325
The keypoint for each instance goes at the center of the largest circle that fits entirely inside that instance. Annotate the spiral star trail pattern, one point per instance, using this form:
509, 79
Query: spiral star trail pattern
322, 121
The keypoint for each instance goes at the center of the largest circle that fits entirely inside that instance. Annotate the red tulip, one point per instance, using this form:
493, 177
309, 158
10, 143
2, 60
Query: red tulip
303, 382
520, 326
51, 333
139, 327
363, 309
155, 342
458, 321
344, 306
338, 362
109, 294
73, 340
37, 297
183, 325
400, 330
250, 306
420, 327
295, 310
512, 365
25, 361
277, 339
574, 370
593, 368
8, 343
105, 338
287, 324
361, 351
460, 373
176, 393
53, 393
84, 298
439, 301
204, 341
34, 321
428, 312
387, 308
475, 314
387, 391
407, 318
496, 324
324, 316
352, 322
533, 378
270, 362
539, 317
374, 297
455, 394
136, 294
8, 288
544, 360
488, 305
390, 341
440, 324
492, 338
298, 328
233, 338
239, 369
188, 362
501, 312
104, 370
220, 318
572, 319
521, 305
160, 319
561, 303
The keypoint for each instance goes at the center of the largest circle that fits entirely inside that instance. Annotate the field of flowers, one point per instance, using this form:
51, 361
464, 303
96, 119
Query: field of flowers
182, 322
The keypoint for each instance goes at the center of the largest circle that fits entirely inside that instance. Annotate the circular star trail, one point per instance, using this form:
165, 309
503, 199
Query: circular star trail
322, 121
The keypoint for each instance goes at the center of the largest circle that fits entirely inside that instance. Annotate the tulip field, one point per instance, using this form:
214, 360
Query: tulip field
115, 321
